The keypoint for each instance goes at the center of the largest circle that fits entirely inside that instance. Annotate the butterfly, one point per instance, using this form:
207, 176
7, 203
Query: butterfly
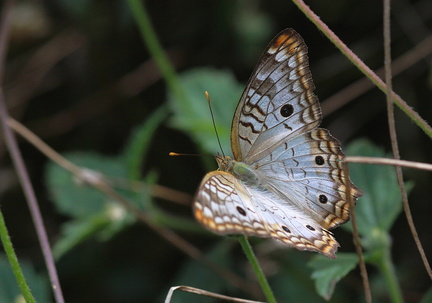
285, 180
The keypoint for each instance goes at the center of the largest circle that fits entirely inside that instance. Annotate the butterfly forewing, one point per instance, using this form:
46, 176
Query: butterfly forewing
278, 102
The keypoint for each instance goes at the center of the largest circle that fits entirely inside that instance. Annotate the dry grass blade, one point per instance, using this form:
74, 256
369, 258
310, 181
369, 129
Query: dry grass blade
205, 293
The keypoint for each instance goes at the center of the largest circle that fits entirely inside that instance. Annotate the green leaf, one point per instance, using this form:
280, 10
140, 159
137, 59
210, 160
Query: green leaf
78, 200
194, 116
77, 231
104, 225
93, 213
328, 272
381, 202
139, 142
292, 281
9, 290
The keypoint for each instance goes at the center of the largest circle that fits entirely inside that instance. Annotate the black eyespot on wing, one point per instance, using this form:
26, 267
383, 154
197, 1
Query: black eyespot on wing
319, 160
286, 229
323, 199
310, 227
287, 110
241, 211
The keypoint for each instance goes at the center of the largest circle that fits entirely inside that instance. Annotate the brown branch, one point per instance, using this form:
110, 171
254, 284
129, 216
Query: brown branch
361, 86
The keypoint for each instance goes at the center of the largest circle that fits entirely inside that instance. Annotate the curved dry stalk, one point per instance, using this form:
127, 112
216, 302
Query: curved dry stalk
205, 293
98, 181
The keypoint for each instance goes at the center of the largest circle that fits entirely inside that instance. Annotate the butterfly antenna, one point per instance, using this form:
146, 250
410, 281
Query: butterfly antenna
213, 120
174, 154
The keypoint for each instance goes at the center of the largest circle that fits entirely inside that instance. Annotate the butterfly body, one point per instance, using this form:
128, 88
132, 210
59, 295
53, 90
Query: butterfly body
241, 171
286, 179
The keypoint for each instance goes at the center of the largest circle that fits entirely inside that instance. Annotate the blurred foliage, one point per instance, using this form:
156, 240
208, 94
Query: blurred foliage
79, 76
193, 117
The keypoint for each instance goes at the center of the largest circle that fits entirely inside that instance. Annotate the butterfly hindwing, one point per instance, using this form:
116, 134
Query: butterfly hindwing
308, 171
222, 206
225, 206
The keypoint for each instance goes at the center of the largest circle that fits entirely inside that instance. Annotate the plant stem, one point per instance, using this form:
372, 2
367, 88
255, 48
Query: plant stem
13, 261
387, 269
257, 269
156, 51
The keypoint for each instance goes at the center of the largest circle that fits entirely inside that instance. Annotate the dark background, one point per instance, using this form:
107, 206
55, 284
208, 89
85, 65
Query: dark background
79, 102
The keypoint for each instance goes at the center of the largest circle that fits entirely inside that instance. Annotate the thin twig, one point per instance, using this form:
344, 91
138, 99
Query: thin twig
156, 190
362, 264
387, 161
20, 166
417, 119
386, 265
393, 135
361, 86
31, 200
